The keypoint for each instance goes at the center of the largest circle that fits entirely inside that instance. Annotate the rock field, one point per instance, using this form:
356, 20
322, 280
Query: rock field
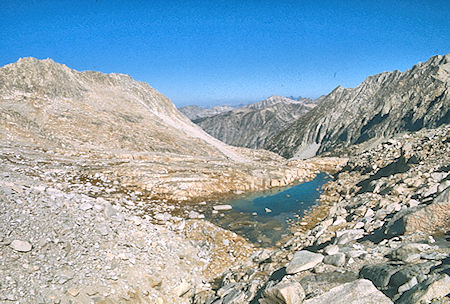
63, 241
383, 238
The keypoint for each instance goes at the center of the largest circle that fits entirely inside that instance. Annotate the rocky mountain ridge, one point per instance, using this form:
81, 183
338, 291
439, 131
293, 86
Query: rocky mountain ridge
39, 98
251, 125
381, 106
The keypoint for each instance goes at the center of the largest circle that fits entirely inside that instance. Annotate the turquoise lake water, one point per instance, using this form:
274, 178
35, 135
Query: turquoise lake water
263, 218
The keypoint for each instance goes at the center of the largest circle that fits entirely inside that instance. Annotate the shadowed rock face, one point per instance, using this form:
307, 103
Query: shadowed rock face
251, 125
381, 106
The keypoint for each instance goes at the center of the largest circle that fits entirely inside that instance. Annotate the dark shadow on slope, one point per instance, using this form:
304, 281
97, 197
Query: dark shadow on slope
410, 124
400, 165
444, 120
276, 277
366, 130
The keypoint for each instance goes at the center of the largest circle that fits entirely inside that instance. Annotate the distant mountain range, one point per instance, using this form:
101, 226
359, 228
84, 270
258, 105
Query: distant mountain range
380, 107
250, 126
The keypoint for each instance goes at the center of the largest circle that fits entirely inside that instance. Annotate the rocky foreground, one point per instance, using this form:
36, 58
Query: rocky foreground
92, 239
381, 237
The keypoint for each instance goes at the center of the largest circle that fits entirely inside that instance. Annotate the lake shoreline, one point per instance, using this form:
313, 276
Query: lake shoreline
265, 218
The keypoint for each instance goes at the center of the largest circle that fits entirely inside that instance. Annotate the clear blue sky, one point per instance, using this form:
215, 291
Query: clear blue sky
211, 52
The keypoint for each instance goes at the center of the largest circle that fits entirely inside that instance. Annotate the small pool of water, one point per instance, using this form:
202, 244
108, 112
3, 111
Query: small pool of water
263, 218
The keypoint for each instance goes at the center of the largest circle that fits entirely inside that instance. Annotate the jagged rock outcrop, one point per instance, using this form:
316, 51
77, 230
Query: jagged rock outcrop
194, 112
381, 106
251, 125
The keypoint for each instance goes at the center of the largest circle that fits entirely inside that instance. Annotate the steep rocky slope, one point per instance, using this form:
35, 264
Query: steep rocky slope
251, 125
381, 106
93, 111
196, 112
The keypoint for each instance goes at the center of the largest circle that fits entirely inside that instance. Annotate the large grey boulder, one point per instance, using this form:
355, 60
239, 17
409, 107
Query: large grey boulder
379, 274
408, 273
357, 292
431, 219
337, 259
303, 260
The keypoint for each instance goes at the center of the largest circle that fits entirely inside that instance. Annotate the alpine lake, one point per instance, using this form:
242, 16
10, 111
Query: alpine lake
264, 217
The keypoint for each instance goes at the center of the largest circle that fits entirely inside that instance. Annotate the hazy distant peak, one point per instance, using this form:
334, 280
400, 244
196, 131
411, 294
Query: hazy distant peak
194, 112
272, 100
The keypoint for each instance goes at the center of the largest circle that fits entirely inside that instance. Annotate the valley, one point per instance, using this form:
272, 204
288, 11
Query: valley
250, 126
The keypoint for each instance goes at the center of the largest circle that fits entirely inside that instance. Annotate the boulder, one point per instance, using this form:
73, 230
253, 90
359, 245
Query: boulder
331, 249
285, 292
379, 274
21, 246
303, 260
403, 252
431, 288
347, 236
222, 207
431, 219
408, 285
337, 259
407, 273
357, 292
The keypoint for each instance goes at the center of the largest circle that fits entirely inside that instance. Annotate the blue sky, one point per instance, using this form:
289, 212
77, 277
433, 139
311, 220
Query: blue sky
214, 52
